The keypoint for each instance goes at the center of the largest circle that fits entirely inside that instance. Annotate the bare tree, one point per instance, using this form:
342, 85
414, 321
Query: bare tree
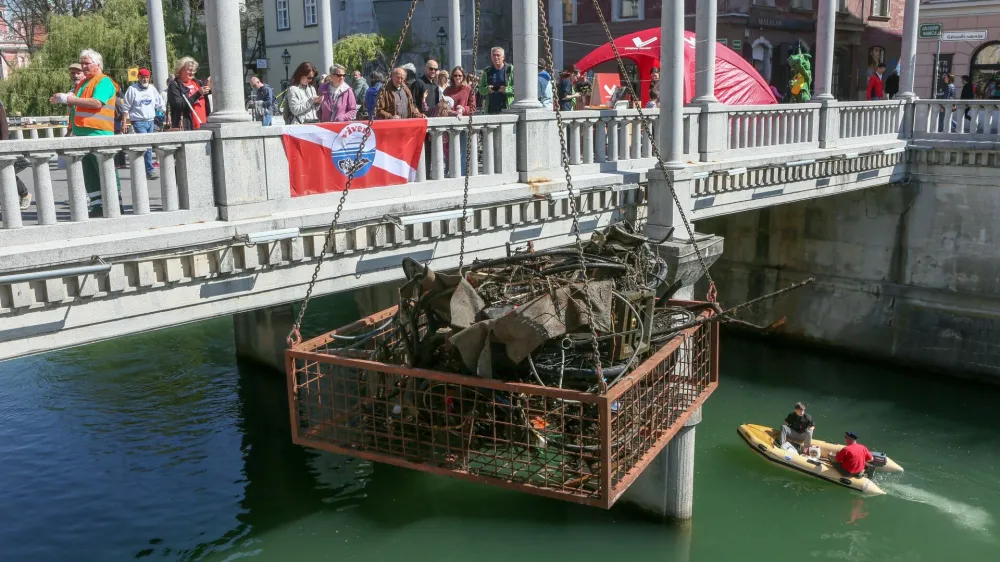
26, 19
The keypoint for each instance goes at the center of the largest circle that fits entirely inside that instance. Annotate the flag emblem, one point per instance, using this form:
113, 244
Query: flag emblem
320, 156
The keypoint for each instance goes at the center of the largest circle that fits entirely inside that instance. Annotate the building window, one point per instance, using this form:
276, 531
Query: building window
309, 8
627, 10
764, 3
281, 12
802, 4
985, 69
880, 8
569, 11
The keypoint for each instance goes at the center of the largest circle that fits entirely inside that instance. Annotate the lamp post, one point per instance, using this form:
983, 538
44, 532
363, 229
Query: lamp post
286, 58
442, 36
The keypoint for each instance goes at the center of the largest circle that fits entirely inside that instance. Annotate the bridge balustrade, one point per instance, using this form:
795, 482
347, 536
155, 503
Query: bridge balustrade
977, 120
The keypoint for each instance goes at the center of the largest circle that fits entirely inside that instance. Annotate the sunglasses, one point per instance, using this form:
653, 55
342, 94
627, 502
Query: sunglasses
341, 75
458, 76
432, 68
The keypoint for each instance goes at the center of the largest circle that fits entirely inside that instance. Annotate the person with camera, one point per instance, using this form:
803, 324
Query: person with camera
496, 85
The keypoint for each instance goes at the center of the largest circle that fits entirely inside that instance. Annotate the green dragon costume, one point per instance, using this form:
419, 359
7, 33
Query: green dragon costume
801, 82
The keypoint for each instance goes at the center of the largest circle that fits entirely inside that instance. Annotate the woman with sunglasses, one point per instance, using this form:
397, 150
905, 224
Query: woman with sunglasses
303, 102
461, 92
464, 103
339, 103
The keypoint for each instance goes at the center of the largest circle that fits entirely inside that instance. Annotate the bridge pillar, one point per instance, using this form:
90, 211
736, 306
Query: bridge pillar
908, 58
260, 335
666, 487
713, 126
826, 20
327, 33
454, 35
670, 132
157, 44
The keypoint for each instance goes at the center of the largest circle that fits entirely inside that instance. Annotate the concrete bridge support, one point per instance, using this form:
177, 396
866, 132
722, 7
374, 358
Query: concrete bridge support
666, 488
260, 335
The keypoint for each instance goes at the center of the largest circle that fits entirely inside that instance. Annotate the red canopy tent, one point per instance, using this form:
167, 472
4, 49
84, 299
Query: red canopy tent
737, 82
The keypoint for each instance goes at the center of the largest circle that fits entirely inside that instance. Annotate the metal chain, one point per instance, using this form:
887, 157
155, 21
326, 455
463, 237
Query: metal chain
644, 120
295, 335
468, 145
601, 383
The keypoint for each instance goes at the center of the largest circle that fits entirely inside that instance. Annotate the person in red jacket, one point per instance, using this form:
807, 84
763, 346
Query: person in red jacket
854, 456
876, 84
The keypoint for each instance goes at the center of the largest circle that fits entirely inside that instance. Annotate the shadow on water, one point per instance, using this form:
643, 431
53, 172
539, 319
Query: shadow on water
770, 362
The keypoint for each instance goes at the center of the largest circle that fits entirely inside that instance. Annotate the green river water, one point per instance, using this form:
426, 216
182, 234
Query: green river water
160, 446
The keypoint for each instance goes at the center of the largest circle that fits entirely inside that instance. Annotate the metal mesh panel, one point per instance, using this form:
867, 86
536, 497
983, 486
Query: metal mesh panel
571, 445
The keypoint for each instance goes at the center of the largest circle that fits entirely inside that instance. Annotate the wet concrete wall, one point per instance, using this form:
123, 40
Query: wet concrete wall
909, 273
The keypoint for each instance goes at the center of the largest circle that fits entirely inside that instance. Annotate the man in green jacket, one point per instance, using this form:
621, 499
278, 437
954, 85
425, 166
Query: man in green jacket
496, 85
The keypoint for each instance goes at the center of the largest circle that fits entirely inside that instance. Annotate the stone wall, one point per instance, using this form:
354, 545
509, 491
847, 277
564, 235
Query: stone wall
905, 272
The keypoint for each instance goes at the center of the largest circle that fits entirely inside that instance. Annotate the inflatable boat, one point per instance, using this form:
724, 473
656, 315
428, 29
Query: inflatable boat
765, 442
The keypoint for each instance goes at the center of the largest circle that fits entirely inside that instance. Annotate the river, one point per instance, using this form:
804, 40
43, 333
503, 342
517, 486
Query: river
161, 446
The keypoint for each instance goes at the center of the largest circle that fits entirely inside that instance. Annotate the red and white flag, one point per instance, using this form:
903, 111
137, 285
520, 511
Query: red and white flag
320, 156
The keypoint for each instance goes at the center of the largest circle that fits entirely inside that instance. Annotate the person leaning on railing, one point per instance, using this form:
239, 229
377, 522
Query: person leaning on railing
92, 114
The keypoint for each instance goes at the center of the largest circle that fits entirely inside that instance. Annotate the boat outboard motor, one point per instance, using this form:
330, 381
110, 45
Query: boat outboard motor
878, 461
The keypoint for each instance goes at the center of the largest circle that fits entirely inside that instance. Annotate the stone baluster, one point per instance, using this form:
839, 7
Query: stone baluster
44, 201
16, 134
587, 138
636, 132
437, 155
168, 176
647, 146
574, 142
623, 142
612, 139
140, 188
489, 165
601, 141
473, 154
454, 152
9, 200
109, 183
78, 203
33, 132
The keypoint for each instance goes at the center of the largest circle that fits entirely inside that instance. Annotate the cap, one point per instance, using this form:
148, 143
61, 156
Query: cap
76, 66
800, 406
851, 434
144, 72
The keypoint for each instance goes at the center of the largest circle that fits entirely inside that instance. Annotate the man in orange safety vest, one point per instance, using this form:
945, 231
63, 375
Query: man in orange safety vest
91, 114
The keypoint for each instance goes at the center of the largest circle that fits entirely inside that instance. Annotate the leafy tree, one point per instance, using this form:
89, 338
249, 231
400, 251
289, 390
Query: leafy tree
118, 31
356, 51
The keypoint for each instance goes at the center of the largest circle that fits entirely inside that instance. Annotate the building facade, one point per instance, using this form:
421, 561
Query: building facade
970, 46
762, 31
14, 49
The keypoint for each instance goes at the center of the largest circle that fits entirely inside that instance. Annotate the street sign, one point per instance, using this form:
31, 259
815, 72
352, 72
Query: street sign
133, 74
261, 63
724, 41
930, 30
737, 44
964, 36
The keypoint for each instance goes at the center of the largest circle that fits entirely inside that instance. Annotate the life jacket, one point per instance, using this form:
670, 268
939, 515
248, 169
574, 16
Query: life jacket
102, 119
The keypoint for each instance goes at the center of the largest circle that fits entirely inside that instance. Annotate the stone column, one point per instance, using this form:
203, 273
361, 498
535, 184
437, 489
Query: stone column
9, 200
826, 21
680, 474
454, 34
157, 44
908, 59
555, 17
326, 33
225, 56
526, 54
671, 125
705, 51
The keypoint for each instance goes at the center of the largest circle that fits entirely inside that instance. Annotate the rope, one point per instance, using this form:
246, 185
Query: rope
601, 383
295, 335
712, 294
468, 147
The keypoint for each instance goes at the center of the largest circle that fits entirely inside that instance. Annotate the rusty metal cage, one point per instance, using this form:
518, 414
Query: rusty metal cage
565, 444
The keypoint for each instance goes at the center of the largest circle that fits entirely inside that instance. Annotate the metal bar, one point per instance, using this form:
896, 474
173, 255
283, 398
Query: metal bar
661, 443
454, 473
54, 273
606, 468
449, 378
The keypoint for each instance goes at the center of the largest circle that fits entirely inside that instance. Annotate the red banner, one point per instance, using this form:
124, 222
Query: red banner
320, 156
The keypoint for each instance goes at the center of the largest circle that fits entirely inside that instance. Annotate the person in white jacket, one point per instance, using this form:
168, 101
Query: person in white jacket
141, 103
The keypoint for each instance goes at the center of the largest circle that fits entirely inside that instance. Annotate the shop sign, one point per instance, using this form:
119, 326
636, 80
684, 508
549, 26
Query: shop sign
771, 22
